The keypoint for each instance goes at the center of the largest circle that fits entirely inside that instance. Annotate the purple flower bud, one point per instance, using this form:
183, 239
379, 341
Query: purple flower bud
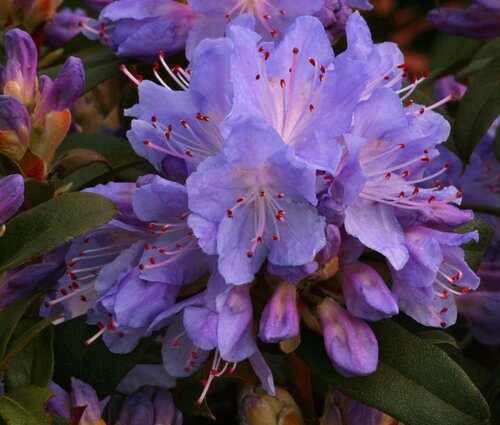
446, 85
65, 25
11, 196
480, 20
280, 318
349, 341
366, 294
83, 395
15, 127
19, 75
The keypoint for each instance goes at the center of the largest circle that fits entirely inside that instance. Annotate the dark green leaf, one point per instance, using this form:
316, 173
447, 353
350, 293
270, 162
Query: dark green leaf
478, 109
25, 406
18, 344
51, 224
10, 317
437, 337
37, 192
474, 251
415, 382
492, 388
8, 165
76, 159
482, 58
34, 365
93, 364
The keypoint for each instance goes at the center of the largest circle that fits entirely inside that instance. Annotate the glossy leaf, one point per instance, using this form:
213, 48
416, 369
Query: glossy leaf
25, 406
415, 381
76, 159
483, 57
49, 225
93, 364
479, 107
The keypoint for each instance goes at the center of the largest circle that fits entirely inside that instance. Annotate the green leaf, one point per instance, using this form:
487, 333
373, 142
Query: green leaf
474, 251
49, 225
93, 364
76, 159
479, 107
19, 343
437, 337
10, 317
34, 365
415, 382
482, 58
25, 406
189, 406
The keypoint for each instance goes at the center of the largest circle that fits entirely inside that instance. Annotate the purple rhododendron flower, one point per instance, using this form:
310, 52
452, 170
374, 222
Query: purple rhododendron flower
142, 29
255, 201
65, 25
480, 20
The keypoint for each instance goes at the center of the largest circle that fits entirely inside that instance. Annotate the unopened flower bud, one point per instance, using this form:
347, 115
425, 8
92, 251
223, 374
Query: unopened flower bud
259, 408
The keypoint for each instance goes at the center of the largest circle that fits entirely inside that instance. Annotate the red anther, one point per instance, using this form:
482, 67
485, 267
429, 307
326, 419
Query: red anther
321, 78
72, 275
421, 111
187, 369
111, 327
437, 185
426, 151
311, 107
267, 55
313, 62
64, 291
146, 142
178, 245
161, 54
426, 73
227, 16
170, 128
282, 83
322, 69
401, 194
409, 103
156, 66
100, 325
194, 354
190, 233
203, 382
405, 173
280, 195
152, 260
431, 198
121, 335
83, 298
404, 74
442, 324
261, 49
140, 78
229, 213
446, 165
262, 193
74, 286
146, 246
274, 33
406, 68
72, 263
465, 290
388, 176
401, 66
142, 266
151, 226
282, 12
214, 372
153, 118
163, 251
199, 116
189, 153
401, 146
257, 77
425, 159
386, 77
444, 310
86, 240
279, 217
296, 50
250, 254
458, 195
415, 191
184, 123
276, 237
415, 79
164, 229
267, 17
444, 295
259, 239
176, 343
240, 200
81, 254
